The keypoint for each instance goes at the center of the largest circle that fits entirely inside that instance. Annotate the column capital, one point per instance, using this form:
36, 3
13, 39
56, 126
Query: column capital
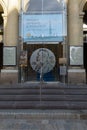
4, 16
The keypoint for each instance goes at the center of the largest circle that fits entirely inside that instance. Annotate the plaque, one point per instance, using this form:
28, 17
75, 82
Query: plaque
76, 55
9, 55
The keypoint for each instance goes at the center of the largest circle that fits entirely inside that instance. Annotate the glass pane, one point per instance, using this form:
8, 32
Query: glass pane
44, 5
43, 60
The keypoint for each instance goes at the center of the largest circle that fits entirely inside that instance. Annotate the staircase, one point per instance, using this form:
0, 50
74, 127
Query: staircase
43, 96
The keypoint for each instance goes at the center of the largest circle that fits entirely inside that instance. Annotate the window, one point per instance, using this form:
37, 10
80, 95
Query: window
35, 6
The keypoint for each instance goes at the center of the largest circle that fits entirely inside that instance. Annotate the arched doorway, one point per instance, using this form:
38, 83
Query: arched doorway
45, 35
1, 24
85, 37
1, 37
85, 22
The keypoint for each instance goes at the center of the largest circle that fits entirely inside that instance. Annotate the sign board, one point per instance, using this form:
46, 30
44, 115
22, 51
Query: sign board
46, 27
63, 70
9, 55
76, 55
23, 58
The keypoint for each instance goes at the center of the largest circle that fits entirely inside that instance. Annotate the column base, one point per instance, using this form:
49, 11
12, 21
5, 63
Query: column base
76, 76
8, 76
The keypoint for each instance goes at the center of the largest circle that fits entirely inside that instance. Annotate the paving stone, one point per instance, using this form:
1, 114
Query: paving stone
23, 122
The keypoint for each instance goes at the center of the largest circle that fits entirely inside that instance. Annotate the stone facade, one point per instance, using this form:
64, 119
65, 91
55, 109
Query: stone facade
75, 15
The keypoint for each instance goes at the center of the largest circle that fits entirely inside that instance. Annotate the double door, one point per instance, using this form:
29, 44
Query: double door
43, 62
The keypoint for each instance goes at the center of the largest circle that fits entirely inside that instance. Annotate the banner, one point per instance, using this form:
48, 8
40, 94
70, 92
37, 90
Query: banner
46, 27
43, 22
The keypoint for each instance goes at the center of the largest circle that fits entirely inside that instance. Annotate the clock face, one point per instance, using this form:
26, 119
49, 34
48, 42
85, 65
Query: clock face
42, 60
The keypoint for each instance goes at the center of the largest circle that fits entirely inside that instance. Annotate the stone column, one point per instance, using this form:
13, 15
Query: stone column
12, 24
73, 22
10, 39
4, 28
76, 73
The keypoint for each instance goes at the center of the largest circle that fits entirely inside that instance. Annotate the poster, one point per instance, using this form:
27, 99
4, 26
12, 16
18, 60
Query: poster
46, 27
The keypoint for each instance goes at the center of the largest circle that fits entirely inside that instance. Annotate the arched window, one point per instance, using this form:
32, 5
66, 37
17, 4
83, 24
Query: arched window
45, 6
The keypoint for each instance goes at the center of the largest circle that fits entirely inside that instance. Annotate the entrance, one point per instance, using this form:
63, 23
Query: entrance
43, 31
45, 57
45, 62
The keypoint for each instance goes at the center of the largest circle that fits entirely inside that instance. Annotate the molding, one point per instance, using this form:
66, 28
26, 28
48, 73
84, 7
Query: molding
81, 5
76, 70
3, 4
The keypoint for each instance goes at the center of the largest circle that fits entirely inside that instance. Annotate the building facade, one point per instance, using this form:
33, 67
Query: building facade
70, 53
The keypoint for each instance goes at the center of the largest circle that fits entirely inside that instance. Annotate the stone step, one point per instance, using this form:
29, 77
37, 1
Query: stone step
43, 105
43, 98
30, 91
